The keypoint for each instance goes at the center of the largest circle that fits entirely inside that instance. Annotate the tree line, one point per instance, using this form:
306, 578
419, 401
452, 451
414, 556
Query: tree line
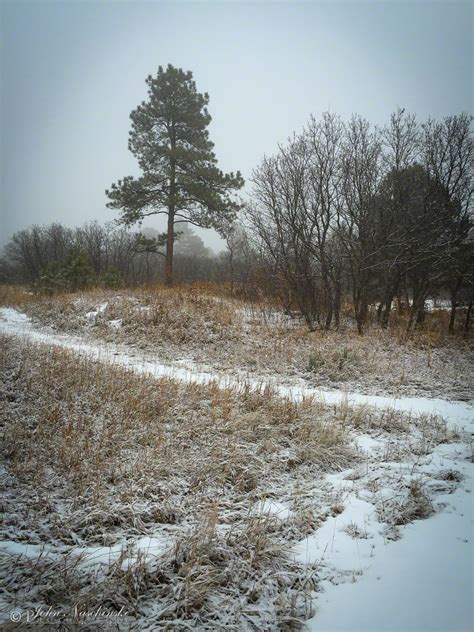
342, 211
55, 258
378, 213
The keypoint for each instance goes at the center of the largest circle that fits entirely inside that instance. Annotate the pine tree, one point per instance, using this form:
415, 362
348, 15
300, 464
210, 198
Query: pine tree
169, 137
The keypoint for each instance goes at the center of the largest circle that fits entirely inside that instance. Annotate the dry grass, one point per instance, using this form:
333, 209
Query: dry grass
97, 456
417, 505
201, 325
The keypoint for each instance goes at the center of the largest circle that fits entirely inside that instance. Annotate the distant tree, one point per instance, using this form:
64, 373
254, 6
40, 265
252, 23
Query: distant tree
92, 239
459, 273
188, 244
420, 235
73, 274
323, 140
33, 249
282, 227
400, 141
180, 178
448, 155
400, 151
240, 257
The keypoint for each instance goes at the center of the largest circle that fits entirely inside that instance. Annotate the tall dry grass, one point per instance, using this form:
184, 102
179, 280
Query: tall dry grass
96, 456
199, 324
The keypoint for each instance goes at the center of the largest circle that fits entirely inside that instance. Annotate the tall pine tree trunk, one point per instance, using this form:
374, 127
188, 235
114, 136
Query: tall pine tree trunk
169, 251
171, 211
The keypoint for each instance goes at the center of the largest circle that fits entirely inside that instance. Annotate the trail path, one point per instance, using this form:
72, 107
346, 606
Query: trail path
424, 581
13, 322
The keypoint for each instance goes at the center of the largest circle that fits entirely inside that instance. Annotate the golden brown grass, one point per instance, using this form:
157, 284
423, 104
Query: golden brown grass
202, 325
96, 455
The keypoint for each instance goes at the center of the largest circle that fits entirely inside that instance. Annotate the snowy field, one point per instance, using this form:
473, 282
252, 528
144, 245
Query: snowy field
372, 533
215, 334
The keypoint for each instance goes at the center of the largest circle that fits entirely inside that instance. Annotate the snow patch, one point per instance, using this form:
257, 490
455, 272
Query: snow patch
91, 316
273, 508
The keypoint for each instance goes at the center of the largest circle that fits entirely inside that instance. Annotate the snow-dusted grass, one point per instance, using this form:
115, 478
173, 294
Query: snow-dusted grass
98, 458
228, 499
200, 328
187, 504
19, 324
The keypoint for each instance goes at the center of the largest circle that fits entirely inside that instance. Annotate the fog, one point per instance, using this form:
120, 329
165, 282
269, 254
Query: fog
73, 71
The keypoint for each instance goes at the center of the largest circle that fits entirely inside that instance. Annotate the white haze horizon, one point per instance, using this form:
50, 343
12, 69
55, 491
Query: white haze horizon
73, 71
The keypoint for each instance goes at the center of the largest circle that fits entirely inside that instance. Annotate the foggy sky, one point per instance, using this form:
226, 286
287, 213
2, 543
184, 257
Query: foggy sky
72, 72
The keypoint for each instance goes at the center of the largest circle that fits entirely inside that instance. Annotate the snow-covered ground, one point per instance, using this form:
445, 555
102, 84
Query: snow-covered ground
423, 581
13, 322
216, 335
419, 576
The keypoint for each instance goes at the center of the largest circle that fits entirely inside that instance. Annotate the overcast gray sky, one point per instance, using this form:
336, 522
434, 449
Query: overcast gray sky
72, 72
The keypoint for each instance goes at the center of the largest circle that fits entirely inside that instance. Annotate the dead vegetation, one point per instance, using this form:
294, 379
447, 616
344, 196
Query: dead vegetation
156, 496
98, 457
201, 325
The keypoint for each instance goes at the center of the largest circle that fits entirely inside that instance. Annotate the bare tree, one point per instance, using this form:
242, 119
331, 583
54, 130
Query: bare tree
284, 224
323, 140
400, 149
361, 172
